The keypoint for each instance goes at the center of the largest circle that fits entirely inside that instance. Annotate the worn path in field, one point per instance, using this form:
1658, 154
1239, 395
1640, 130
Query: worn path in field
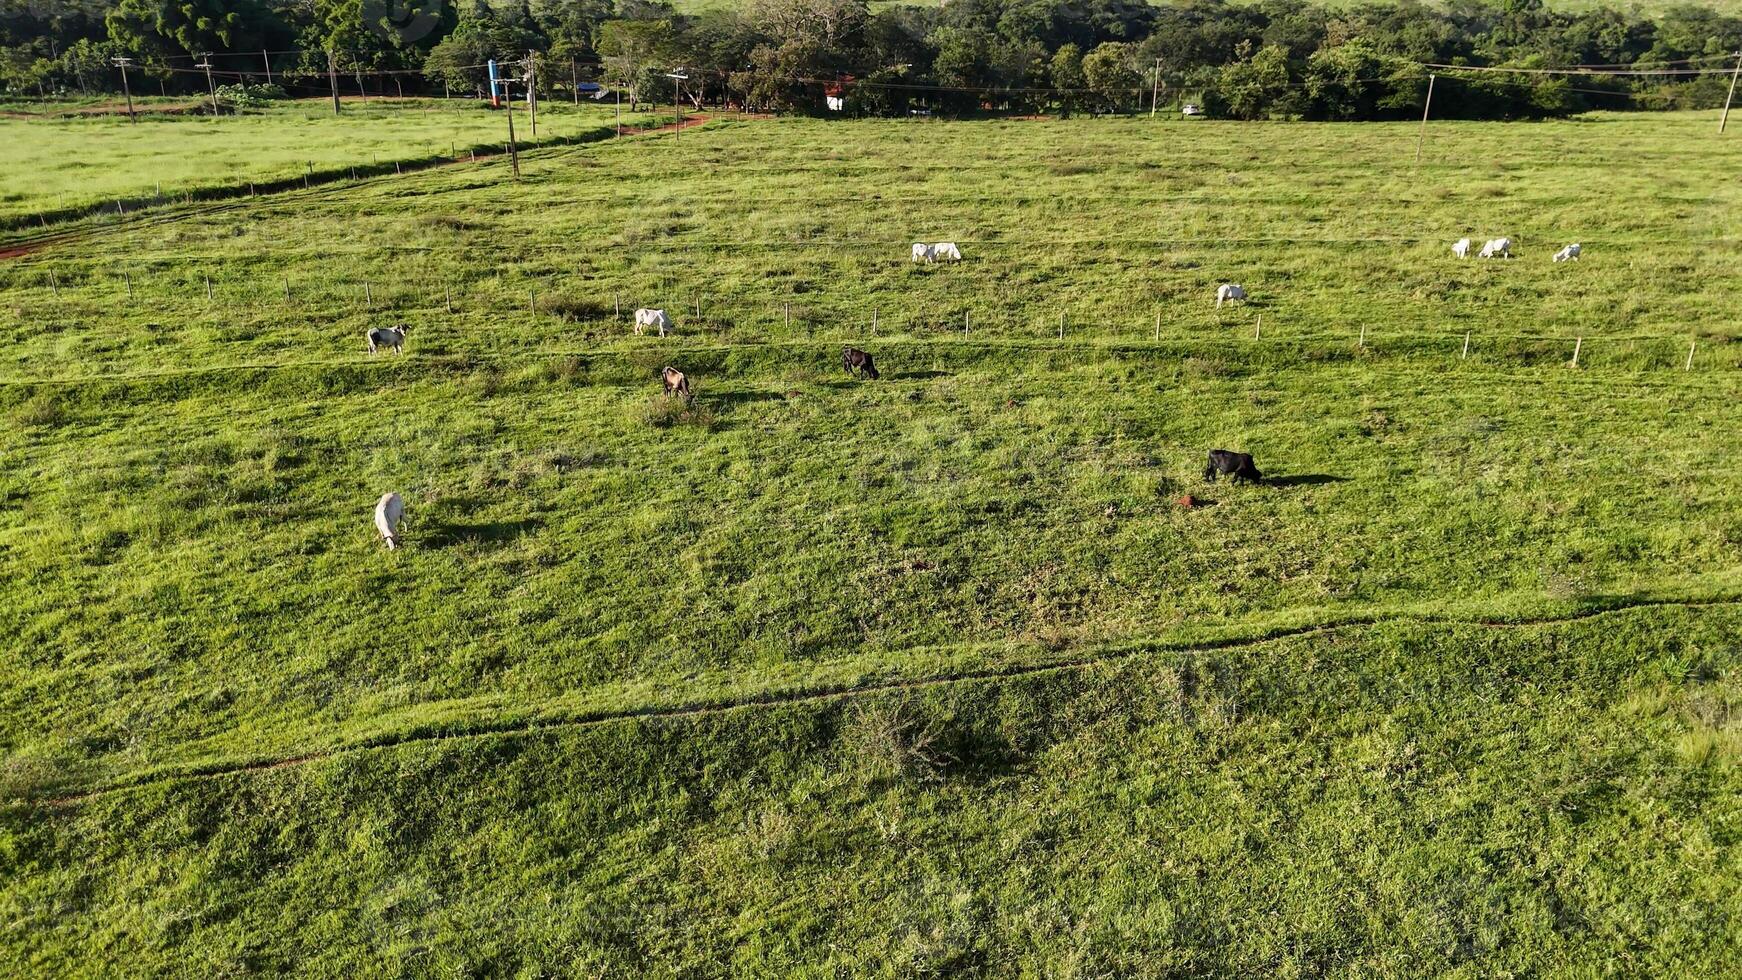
824, 693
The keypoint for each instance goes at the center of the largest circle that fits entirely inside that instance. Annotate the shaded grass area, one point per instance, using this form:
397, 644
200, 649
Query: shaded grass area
1391, 799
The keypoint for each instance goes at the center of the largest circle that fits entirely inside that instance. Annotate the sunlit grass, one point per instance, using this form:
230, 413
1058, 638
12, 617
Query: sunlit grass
1454, 693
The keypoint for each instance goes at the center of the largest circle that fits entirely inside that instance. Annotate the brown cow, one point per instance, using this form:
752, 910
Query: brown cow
675, 381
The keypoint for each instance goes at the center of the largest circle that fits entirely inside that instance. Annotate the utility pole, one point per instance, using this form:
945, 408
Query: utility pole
532, 89
1725, 118
678, 78
1425, 106
267, 60
1155, 89
619, 94
124, 64
206, 63
333, 79
575, 81
360, 89
513, 150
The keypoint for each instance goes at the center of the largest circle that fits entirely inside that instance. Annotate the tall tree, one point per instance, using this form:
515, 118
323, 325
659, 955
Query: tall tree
629, 49
166, 28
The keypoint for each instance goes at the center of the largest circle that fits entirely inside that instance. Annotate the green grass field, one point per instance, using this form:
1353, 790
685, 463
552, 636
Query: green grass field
925, 675
58, 163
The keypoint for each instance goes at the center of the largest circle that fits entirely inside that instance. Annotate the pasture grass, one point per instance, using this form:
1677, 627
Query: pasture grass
927, 675
66, 163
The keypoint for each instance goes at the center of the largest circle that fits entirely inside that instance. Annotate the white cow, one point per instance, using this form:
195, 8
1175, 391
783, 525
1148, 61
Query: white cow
652, 318
390, 337
1229, 292
388, 511
1568, 254
1496, 248
924, 253
1461, 248
947, 252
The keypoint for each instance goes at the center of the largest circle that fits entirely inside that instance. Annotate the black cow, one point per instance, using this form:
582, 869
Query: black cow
1238, 464
858, 363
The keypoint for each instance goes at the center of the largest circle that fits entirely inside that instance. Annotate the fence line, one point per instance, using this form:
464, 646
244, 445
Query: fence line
552, 299
727, 318
898, 248
125, 205
941, 346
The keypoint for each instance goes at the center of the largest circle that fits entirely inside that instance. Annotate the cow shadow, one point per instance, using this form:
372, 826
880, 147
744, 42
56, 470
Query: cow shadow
1304, 480
916, 375
446, 534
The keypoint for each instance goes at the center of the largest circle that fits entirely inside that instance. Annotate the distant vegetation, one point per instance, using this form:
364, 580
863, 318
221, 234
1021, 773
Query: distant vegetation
1277, 58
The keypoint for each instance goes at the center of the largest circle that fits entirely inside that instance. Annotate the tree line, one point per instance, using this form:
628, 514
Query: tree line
1270, 59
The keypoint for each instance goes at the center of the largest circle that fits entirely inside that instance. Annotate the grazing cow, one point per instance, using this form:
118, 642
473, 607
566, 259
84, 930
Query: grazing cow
858, 363
1239, 464
1496, 248
1229, 292
1568, 254
652, 318
676, 382
946, 252
1461, 248
388, 511
924, 253
391, 337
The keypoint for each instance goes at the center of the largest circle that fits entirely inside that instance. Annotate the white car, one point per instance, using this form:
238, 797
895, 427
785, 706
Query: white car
1191, 109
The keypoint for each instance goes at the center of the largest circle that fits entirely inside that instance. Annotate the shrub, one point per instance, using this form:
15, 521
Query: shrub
40, 409
251, 96
891, 741
665, 411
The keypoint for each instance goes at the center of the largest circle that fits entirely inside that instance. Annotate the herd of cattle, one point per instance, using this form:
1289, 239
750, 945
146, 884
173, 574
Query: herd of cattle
1501, 248
390, 509
393, 338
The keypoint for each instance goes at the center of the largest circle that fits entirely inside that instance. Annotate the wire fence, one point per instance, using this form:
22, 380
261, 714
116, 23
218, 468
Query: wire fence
533, 316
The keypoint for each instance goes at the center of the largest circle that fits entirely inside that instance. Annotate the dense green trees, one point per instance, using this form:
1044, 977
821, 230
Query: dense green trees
1266, 58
